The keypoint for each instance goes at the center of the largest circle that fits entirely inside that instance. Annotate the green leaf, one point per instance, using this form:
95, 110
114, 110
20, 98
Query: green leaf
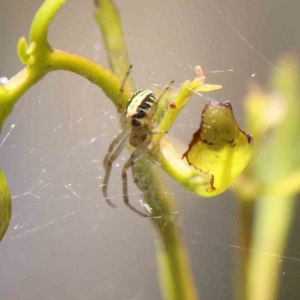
219, 147
5, 205
207, 88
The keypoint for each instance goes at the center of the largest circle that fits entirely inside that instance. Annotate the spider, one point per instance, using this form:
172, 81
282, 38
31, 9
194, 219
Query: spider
138, 117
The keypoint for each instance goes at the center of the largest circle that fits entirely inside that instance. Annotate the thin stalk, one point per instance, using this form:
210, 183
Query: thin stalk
109, 21
269, 241
244, 251
176, 278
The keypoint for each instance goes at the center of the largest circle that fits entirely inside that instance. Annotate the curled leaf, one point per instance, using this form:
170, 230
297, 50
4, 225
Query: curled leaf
5, 205
219, 147
26, 52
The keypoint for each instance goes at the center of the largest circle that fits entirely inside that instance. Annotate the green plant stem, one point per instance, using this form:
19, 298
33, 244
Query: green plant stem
176, 278
58, 60
175, 275
109, 21
277, 159
172, 163
268, 244
244, 251
106, 80
41, 59
42, 20
5, 205
274, 170
288, 186
14, 89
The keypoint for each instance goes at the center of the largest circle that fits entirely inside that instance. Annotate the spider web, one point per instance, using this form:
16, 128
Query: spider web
64, 241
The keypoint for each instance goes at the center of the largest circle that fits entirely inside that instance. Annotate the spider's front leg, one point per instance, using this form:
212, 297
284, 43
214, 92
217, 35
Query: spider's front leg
124, 134
110, 157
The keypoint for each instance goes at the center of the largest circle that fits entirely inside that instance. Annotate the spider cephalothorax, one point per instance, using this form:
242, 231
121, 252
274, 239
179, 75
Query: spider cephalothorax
138, 129
139, 113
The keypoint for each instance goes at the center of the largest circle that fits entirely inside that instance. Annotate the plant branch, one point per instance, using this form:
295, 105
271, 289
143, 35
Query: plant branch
175, 275
109, 21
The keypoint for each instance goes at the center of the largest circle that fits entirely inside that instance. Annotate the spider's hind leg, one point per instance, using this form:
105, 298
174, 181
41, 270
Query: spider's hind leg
130, 164
138, 152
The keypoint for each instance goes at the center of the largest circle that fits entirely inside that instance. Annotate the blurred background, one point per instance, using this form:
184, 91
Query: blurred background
64, 241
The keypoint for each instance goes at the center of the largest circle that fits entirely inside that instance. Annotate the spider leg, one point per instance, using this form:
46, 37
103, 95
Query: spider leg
129, 164
122, 88
113, 144
155, 104
108, 167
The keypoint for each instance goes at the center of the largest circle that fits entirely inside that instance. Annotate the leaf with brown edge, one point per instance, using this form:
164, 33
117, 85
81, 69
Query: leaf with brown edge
219, 147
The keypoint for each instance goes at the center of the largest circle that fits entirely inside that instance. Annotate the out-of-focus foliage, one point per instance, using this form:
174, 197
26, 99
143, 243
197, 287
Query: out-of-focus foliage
272, 179
5, 205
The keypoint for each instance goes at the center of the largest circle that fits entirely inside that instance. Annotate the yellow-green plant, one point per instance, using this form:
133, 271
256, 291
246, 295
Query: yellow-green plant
224, 151
268, 188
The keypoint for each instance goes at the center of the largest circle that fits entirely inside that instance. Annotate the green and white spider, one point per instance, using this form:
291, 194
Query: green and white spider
138, 130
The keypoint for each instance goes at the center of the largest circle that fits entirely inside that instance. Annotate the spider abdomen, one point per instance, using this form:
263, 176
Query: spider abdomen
139, 106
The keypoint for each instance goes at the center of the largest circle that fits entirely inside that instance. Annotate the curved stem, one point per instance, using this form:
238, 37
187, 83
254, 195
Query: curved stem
42, 20
58, 60
105, 79
109, 21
